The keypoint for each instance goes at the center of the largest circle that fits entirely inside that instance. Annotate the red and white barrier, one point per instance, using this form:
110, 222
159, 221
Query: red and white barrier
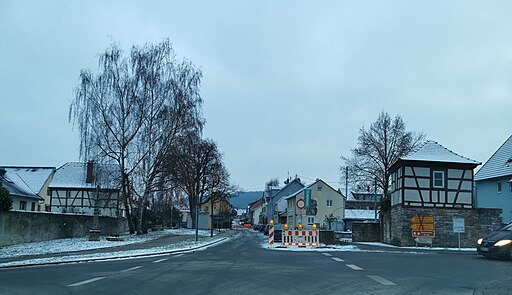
271, 235
301, 238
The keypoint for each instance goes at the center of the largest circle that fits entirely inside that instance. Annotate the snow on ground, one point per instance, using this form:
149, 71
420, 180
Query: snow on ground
176, 247
80, 244
419, 248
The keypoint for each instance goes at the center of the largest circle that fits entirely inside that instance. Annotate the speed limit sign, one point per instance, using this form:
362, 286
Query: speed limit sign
301, 203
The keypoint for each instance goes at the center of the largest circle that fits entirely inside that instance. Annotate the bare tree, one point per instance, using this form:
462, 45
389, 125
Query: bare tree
132, 111
379, 147
196, 166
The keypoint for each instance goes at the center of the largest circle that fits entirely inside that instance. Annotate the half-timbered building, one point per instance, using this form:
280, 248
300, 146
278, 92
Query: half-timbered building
433, 176
80, 188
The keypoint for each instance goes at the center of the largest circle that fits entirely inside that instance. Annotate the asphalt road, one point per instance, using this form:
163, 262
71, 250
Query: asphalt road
241, 266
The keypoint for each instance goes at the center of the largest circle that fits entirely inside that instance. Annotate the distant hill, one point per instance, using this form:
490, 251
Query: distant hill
241, 200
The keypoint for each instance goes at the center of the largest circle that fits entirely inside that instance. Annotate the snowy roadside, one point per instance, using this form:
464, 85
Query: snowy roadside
355, 248
81, 244
418, 248
157, 251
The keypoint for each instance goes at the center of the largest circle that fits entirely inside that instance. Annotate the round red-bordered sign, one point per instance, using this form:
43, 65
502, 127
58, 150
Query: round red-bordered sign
301, 203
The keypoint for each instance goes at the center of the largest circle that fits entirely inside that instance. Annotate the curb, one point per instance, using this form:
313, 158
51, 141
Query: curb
118, 257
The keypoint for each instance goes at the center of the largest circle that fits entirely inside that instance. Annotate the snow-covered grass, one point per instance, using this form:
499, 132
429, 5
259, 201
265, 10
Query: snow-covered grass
176, 247
80, 244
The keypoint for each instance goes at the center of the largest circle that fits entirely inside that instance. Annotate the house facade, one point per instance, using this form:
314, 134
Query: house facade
493, 182
279, 203
220, 209
23, 197
326, 208
37, 179
433, 177
431, 189
79, 188
256, 211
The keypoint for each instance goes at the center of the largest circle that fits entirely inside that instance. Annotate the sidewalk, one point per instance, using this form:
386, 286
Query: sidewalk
166, 244
425, 249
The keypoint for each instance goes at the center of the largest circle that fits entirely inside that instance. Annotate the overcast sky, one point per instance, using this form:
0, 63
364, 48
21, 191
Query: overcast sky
286, 86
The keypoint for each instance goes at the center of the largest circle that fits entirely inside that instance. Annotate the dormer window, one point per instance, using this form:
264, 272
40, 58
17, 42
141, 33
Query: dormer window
438, 179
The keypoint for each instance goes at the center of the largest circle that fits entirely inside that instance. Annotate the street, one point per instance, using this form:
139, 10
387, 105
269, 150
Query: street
241, 266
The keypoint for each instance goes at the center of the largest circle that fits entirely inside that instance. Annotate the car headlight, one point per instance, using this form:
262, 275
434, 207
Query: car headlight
502, 243
480, 241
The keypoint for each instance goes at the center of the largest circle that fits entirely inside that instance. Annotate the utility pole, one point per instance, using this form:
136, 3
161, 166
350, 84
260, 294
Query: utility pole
375, 198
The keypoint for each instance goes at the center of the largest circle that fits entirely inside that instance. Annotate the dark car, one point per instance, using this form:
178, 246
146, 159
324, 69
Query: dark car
266, 229
497, 244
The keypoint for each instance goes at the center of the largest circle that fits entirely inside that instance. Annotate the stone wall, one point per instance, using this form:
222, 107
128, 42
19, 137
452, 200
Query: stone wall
365, 232
22, 227
478, 222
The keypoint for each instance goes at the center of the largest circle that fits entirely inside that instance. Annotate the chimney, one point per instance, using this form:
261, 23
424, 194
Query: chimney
90, 169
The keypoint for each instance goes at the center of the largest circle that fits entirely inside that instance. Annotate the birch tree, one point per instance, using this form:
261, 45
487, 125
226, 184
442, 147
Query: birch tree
131, 111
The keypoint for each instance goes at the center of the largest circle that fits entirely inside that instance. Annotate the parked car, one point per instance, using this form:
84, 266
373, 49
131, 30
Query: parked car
266, 229
497, 244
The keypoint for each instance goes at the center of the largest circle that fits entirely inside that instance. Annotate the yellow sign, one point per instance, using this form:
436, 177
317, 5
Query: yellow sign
424, 226
422, 219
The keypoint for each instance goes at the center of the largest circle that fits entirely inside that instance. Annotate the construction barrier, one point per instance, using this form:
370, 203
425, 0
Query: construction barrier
271, 235
300, 238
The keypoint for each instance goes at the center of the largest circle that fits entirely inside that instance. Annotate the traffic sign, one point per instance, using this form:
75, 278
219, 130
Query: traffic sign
422, 219
301, 204
307, 194
422, 226
423, 233
458, 225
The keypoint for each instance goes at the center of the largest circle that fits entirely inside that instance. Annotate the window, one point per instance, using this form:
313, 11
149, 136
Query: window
498, 187
33, 206
311, 219
23, 205
438, 179
329, 203
319, 189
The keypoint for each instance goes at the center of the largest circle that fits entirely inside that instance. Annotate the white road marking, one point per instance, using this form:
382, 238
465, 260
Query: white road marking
130, 269
327, 254
337, 259
160, 260
381, 280
86, 282
354, 267
179, 255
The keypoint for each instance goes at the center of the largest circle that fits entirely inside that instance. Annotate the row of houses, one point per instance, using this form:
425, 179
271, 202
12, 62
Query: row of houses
317, 203
74, 188
79, 188
431, 181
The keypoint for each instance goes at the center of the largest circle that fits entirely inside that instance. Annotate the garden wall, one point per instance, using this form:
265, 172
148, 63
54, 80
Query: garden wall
21, 227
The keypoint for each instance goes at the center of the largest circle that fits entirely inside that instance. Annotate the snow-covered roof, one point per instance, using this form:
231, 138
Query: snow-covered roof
359, 214
73, 175
16, 186
432, 151
309, 186
499, 164
34, 177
